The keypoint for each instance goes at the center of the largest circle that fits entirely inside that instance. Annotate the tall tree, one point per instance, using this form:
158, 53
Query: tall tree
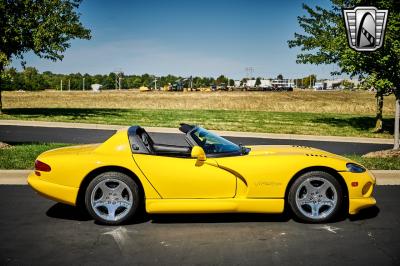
258, 82
324, 41
44, 27
221, 79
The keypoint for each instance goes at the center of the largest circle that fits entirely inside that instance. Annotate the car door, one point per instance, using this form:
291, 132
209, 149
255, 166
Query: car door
181, 178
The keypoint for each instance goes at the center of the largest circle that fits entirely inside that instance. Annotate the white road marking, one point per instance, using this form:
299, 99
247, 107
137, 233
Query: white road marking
120, 236
331, 229
165, 244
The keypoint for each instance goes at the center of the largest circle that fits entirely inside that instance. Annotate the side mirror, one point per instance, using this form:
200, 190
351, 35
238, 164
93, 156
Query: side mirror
198, 152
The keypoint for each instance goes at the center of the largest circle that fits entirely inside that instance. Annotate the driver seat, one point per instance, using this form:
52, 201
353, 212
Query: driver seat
164, 149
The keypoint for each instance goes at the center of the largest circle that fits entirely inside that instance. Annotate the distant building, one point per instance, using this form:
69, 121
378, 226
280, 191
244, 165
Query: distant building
265, 83
251, 83
319, 86
96, 87
282, 83
332, 84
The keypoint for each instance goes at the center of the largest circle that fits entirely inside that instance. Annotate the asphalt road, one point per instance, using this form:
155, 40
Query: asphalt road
13, 134
37, 231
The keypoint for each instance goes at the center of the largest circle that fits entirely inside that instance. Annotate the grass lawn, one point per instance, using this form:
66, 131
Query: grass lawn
22, 156
328, 124
377, 163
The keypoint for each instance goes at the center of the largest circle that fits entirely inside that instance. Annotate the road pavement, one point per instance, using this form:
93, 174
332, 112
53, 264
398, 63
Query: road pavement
37, 231
13, 134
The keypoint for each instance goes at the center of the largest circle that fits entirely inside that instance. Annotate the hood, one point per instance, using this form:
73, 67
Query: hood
290, 150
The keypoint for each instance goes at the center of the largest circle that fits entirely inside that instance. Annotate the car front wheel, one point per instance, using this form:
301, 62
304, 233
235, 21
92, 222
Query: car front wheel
315, 197
112, 198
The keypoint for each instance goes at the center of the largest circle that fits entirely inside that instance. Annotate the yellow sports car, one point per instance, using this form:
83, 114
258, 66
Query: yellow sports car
208, 175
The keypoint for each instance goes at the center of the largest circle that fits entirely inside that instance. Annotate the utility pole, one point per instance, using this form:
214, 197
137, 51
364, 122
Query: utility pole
249, 72
118, 78
83, 84
61, 85
69, 85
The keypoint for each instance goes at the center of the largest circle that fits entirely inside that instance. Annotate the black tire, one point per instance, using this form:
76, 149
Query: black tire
120, 177
316, 176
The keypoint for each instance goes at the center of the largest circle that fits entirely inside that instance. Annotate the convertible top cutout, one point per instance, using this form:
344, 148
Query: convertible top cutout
185, 128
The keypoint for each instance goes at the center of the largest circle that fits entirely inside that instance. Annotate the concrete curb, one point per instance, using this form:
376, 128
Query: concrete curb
223, 133
14, 177
18, 177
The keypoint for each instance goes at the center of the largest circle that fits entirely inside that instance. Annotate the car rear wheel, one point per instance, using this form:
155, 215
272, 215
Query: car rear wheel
112, 198
315, 197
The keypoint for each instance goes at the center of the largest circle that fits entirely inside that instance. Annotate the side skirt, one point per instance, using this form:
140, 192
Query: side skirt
214, 205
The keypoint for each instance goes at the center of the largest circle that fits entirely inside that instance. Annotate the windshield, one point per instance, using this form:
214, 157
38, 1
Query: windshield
212, 143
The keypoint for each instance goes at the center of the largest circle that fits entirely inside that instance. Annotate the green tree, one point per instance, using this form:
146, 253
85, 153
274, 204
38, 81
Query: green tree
243, 81
308, 81
111, 81
12, 79
324, 41
44, 27
32, 80
347, 85
221, 79
258, 82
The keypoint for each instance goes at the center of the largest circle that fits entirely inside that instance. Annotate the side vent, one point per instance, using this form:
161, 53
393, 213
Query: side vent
300, 146
315, 155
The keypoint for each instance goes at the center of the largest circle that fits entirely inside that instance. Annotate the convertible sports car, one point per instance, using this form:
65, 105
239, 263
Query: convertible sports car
208, 175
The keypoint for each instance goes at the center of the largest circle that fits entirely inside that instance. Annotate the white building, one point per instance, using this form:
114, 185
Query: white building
96, 87
282, 83
266, 83
331, 84
251, 83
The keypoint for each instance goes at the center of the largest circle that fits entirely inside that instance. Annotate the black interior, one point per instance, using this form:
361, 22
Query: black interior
141, 142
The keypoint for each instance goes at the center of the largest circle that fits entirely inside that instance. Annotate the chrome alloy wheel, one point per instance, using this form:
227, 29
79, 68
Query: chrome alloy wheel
316, 197
111, 199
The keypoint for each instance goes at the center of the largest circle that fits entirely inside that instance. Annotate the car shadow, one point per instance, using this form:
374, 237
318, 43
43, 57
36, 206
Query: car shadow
365, 214
67, 212
218, 218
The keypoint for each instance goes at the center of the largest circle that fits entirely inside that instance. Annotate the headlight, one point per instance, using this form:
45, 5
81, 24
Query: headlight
355, 168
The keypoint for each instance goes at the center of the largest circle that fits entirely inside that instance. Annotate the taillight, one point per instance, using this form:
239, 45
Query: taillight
41, 166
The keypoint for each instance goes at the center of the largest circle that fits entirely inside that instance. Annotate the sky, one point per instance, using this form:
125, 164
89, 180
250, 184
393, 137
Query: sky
200, 38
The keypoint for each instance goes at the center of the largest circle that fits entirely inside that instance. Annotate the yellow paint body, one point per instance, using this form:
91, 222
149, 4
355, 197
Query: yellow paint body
257, 182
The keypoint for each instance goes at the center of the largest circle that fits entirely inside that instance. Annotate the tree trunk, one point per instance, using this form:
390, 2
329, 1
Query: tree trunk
1, 102
379, 111
397, 120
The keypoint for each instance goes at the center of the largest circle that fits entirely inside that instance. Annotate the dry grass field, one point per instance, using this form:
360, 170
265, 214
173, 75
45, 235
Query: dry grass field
335, 102
338, 113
